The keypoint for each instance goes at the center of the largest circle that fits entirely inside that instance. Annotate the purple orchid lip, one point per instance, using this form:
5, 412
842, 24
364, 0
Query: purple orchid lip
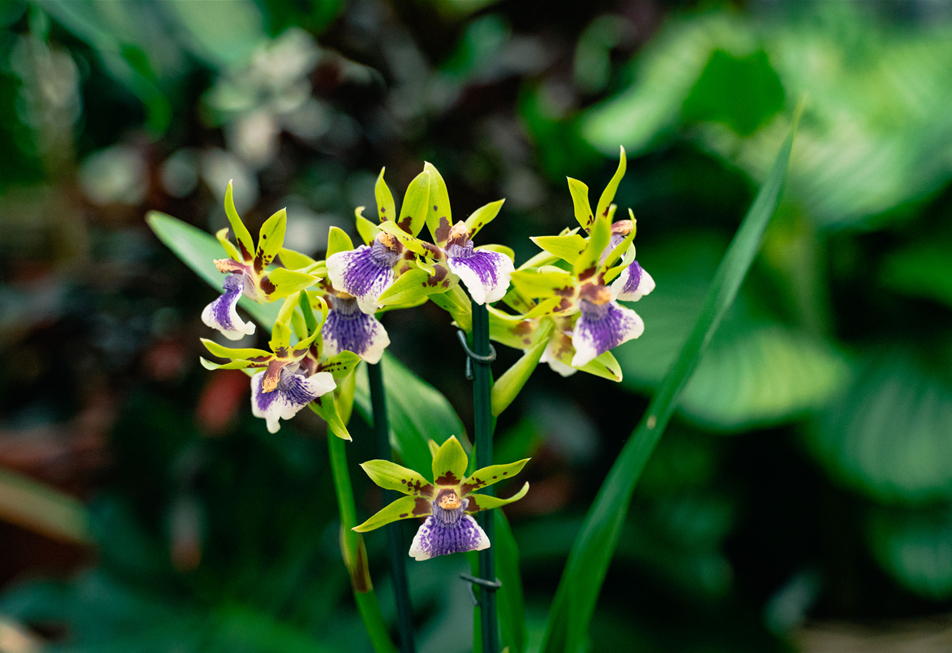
221, 313
364, 272
602, 327
485, 273
448, 531
293, 392
633, 283
350, 329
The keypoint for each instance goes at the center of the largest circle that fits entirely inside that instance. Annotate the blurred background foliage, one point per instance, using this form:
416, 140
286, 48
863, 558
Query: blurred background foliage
801, 501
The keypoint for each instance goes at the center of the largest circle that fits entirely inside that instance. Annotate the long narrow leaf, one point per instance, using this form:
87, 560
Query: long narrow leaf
592, 551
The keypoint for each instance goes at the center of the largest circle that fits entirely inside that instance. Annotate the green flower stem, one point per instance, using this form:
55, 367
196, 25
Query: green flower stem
354, 552
483, 424
398, 554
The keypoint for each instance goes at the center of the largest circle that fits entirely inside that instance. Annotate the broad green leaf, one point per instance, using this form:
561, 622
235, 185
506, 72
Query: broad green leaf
271, 239
449, 463
491, 475
480, 502
402, 508
512, 611
483, 216
605, 201
198, 250
438, 208
386, 208
338, 241
568, 248
584, 573
413, 213
583, 210
245, 243
417, 411
391, 476
368, 230
915, 548
508, 386
287, 282
888, 434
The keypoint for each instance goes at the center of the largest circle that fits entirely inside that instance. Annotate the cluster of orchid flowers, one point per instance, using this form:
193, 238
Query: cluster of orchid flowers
566, 297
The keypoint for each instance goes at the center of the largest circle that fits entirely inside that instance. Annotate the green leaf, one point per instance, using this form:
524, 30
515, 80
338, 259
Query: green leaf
510, 384
609, 193
449, 463
402, 508
584, 573
438, 207
483, 216
480, 502
583, 210
198, 250
415, 204
271, 239
491, 475
512, 611
338, 241
386, 207
915, 548
391, 476
417, 411
568, 248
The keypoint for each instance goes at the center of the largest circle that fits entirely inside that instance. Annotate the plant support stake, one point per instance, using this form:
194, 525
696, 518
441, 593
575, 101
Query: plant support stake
398, 556
483, 427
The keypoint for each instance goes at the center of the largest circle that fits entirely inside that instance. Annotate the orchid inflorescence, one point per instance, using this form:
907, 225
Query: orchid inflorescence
566, 298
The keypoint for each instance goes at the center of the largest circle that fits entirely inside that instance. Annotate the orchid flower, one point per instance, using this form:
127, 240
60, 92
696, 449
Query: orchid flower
447, 502
247, 273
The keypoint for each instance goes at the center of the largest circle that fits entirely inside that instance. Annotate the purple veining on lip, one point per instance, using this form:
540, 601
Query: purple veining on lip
349, 329
603, 327
633, 283
294, 392
448, 531
364, 272
221, 314
484, 273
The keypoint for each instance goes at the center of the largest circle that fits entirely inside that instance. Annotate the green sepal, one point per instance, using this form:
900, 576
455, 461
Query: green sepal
541, 259
449, 463
491, 475
604, 202
508, 386
583, 210
483, 216
300, 348
544, 282
604, 366
433, 446
338, 241
612, 273
479, 502
310, 320
340, 365
586, 265
295, 260
499, 249
407, 240
234, 354
326, 407
365, 228
402, 508
391, 476
345, 393
318, 303
242, 235
415, 204
517, 301
230, 250
287, 282
568, 248
438, 206
386, 207
621, 247
544, 307
281, 331
413, 286
231, 365
270, 239
455, 302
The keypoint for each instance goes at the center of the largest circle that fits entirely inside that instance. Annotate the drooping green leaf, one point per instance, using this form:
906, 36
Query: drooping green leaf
584, 573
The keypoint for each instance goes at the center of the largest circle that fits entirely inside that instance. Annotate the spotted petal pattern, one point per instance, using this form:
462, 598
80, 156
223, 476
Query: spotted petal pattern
364, 272
448, 531
603, 327
484, 273
221, 313
349, 329
293, 392
633, 283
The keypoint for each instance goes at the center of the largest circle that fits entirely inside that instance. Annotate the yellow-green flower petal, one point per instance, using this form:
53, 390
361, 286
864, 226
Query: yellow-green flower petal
402, 508
391, 476
449, 463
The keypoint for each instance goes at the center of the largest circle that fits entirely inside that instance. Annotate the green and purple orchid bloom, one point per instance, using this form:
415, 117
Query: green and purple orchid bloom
448, 501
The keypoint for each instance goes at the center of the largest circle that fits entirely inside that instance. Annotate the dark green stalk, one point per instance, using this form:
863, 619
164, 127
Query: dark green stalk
354, 552
483, 427
398, 554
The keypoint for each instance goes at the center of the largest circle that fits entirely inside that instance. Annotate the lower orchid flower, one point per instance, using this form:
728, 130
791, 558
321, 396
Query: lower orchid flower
485, 273
221, 313
347, 328
294, 391
448, 502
